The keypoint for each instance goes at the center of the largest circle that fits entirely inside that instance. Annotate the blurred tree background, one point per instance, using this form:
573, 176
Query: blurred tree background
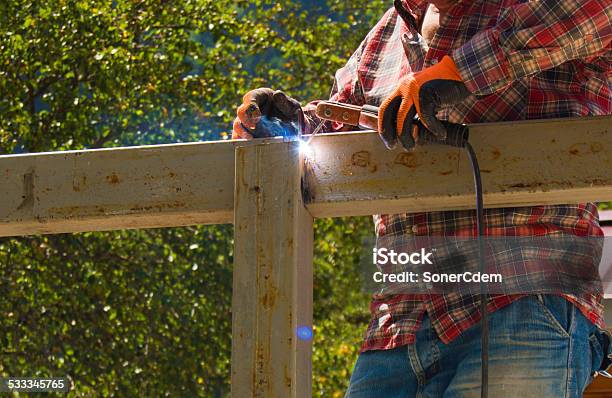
147, 312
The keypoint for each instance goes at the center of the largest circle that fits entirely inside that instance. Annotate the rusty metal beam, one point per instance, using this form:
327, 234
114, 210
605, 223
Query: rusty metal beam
272, 290
137, 187
523, 163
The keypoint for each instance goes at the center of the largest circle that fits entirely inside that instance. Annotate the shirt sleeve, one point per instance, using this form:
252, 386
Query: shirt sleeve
532, 37
346, 89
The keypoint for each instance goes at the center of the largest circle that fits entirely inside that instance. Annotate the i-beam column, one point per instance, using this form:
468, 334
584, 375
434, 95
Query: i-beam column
272, 288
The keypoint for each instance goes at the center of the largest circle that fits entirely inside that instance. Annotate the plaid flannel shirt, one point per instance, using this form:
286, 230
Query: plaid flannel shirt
520, 60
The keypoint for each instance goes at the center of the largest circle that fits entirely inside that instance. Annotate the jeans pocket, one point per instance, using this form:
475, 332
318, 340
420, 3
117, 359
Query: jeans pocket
596, 353
558, 311
601, 350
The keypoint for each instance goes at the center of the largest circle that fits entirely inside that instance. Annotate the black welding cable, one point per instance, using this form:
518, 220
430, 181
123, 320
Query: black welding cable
484, 356
458, 135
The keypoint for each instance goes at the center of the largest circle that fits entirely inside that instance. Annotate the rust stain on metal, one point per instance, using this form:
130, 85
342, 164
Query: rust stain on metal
445, 173
406, 159
596, 147
160, 206
65, 211
260, 381
307, 181
239, 184
496, 153
539, 184
361, 159
78, 183
113, 179
307, 195
71, 211
259, 199
585, 148
28, 191
288, 381
523, 185
269, 297
575, 149
346, 170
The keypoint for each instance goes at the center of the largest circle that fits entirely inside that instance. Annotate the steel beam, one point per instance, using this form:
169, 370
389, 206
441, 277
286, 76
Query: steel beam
272, 290
523, 163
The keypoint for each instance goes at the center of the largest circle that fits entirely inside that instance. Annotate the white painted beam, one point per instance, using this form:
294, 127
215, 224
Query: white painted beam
272, 289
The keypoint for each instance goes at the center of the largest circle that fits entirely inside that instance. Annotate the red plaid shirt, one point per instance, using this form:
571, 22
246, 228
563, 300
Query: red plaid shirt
521, 60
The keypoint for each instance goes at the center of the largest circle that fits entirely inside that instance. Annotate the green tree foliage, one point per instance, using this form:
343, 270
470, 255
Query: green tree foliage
78, 74
147, 313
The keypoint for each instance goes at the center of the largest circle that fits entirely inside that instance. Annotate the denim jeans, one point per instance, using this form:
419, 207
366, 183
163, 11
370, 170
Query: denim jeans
539, 346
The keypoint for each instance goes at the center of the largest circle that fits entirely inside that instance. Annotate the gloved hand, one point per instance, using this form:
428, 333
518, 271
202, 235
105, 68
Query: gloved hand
421, 93
269, 103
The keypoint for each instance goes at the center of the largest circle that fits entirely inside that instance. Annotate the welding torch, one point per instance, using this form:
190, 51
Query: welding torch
366, 116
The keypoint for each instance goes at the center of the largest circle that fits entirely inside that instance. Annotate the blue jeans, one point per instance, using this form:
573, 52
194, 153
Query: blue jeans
539, 346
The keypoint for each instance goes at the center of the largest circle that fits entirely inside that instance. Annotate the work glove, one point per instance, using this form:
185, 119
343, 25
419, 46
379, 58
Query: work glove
423, 94
266, 113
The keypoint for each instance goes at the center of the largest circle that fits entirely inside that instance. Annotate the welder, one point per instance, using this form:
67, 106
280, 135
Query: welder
471, 61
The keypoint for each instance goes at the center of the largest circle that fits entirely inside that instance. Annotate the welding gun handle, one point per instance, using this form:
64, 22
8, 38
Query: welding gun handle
456, 135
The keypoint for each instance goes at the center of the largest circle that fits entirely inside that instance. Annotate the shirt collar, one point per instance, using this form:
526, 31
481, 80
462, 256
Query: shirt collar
416, 9
414, 5
410, 12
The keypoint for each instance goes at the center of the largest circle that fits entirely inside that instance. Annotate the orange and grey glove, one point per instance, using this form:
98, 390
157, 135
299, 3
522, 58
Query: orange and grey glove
265, 102
423, 94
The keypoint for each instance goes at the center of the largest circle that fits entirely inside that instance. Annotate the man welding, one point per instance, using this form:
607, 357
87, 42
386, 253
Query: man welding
469, 61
